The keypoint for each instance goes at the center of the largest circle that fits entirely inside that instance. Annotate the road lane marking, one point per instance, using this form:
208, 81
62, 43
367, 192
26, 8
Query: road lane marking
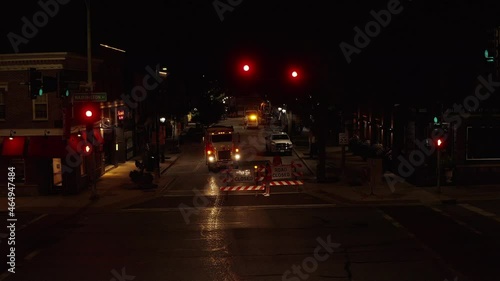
31, 255
480, 211
457, 221
184, 193
4, 275
175, 209
197, 166
434, 254
32, 221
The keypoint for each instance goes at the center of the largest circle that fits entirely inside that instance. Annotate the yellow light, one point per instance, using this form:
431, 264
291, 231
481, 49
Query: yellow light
237, 150
253, 117
209, 152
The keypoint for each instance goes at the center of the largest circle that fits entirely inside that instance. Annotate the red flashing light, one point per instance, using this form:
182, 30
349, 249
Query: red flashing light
88, 113
294, 74
246, 67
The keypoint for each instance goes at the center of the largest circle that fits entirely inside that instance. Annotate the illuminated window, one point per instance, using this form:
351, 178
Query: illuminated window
41, 108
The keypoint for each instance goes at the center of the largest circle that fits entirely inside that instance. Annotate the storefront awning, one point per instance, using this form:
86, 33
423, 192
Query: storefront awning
13, 147
49, 146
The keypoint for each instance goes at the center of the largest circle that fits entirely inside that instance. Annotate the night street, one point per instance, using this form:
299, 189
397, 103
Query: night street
194, 232
232, 140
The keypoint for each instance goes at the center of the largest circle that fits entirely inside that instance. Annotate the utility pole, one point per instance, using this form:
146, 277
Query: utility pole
93, 172
157, 125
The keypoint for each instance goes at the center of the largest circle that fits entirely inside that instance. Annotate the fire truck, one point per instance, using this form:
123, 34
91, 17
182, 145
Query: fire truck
221, 147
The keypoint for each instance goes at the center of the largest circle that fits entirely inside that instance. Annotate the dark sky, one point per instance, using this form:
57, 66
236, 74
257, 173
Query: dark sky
426, 41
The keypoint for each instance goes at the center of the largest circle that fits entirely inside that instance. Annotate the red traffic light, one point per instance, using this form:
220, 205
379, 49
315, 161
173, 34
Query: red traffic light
88, 113
246, 67
439, 142
294, 74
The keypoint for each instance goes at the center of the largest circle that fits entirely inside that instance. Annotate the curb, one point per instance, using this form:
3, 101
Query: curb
170, 165
347, 200
304, 162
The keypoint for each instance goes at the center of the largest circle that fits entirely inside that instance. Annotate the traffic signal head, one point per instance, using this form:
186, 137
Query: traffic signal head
64, 93
89, 113
35, 83
65, 85
439, 142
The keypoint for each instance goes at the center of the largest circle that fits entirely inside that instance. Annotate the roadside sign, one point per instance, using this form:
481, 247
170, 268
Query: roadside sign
242, 175
343, 140
282, 172
94, 97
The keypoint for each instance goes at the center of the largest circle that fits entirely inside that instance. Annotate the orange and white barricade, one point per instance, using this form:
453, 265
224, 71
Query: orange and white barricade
282, 175
245, 180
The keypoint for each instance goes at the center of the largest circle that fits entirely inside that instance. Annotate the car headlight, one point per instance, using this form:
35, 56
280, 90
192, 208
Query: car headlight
237, 156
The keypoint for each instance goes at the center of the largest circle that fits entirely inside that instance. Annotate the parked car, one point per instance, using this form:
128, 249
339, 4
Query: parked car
279, 142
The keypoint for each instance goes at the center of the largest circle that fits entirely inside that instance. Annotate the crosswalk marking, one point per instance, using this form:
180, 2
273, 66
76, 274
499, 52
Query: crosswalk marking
480, 211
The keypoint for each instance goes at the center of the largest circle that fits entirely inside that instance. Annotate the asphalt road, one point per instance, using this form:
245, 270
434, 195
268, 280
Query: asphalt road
192, 231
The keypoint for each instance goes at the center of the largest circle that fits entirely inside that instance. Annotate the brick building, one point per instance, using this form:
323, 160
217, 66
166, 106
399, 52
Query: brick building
44, 138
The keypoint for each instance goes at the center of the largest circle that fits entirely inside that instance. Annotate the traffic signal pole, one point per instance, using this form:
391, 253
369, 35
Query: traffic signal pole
93, 180
157, 129
438, 170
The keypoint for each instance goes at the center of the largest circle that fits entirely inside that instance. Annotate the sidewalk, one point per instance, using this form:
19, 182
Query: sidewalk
114, 189
353, 187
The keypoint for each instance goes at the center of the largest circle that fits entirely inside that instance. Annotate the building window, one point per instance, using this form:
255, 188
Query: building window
41, 108
18, 164
2, 105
